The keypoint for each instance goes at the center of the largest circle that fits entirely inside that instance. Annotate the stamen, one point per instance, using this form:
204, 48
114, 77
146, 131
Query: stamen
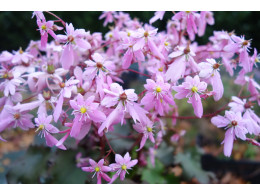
17, 116
149, 129
194, 89
234, 123
83, 110
97, 169
158, 89
124, 167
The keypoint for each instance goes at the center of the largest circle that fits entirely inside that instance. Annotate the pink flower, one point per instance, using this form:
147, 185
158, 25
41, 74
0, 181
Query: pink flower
37, 81
124, 100
146, 128
85, 111
210, 71
121, 166
108, 15
72, 37
21, 57
251, 119
254, 60
99, 67
11, 117
11, 81
183, 57
45, 29
242, 46
191, 89
46, 129
130, 54
6, 57
99, 170
235, 125
66, 89
188, 19
157, 15
205, 17
175, 137
158, 95
146, 37
253, 88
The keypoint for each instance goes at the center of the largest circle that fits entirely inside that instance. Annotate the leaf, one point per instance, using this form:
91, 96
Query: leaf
154, 174
23, 169
44, 165
192, 168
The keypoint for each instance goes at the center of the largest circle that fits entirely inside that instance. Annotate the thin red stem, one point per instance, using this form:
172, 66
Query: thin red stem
109, 144
28, 98
139, 73
63, 23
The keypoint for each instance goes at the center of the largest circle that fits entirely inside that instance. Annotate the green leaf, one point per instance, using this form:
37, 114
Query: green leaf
44, 165
192, 168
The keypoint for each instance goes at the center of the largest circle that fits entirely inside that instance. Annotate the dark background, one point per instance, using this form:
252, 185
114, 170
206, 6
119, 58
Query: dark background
17, 28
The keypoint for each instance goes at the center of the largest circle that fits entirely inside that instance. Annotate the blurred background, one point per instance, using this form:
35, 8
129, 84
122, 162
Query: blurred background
197, 158
17, 28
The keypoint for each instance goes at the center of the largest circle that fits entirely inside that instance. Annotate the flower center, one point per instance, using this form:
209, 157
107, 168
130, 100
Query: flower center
160, 69
97, 169
186, 51
83, 110
146, 34
123, 97
70, 38
41, 127
44, 27
158, 89
128, 34
245, 43
248, 105
99, 65
50, 69
194, 89
81, 90
17, 116
123, 167
234, 123
216, 66
166, 43
5, 76
20, 51
149, 129
62, 85
46, 95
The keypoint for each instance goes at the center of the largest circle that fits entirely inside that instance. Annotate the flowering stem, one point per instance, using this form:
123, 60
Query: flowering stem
108, 154
109, 144
253, 142
63, 23
139, 73
136, 142
134, 72
29, 98
104, 45
241, 90
141, 94
191, 74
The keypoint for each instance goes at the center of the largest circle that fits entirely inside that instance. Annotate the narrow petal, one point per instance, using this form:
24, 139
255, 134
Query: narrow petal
228, 143
67, 57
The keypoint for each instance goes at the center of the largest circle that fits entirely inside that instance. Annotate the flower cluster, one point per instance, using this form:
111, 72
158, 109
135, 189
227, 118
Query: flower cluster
76, 82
